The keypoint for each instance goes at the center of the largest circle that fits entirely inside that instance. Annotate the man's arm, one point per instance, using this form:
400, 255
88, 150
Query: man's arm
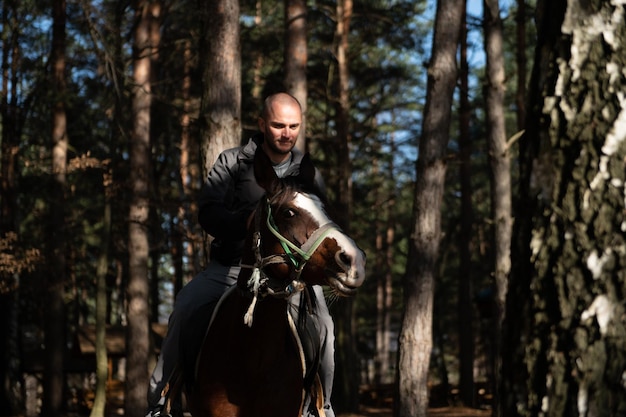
216, 215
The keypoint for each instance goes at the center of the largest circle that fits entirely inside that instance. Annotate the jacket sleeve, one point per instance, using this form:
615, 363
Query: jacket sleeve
217, 214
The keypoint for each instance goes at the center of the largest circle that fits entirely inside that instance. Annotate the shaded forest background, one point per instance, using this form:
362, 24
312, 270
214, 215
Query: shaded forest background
70, 100
388, 50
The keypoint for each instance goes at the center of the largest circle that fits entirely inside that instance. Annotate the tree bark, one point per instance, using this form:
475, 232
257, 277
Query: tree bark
296, 55
138, 335
102, 371
220, 108
9, 291
347, 371
520, 58
465, 309
567, 335
419, 281
55, 337
500, 169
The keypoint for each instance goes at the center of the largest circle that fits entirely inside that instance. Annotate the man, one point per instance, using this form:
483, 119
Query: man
227, 200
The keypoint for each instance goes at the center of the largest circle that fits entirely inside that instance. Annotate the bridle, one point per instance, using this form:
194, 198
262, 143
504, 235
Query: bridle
293, 255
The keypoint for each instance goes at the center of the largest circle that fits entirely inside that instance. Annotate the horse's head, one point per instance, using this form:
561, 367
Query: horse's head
296, 239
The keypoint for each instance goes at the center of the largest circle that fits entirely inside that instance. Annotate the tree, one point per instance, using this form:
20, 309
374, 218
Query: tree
220, 60
500, 165
138, 337
416, 333
102, 374
347, 369
296, 54
465, 308
55, 336
10, 267
565, 333
520, 58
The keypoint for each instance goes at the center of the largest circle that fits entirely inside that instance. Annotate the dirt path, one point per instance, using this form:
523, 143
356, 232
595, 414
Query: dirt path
432, 412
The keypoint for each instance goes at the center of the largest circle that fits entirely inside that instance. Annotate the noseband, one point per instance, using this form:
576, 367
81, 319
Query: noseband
294, 255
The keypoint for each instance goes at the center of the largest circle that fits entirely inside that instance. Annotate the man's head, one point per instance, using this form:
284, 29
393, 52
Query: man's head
280, 122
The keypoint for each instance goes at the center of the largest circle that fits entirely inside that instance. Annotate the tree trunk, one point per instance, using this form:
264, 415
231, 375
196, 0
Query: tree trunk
138, 335
570, 349
296, 55
187, 227
500, 168
416, 334
9, 290
220, 108
465, 309
55, 339
387, 291
347, 367
101, 302
520, 58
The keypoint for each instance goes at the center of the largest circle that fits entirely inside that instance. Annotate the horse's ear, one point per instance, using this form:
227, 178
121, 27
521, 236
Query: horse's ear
263, 170
307, 170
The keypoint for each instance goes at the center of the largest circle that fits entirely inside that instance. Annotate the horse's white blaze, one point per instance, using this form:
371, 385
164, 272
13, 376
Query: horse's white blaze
355, 271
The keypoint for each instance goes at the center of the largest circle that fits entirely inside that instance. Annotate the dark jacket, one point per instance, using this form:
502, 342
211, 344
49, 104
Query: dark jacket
230, 194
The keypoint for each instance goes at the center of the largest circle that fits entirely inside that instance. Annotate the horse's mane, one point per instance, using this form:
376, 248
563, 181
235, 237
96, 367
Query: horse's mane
286, 187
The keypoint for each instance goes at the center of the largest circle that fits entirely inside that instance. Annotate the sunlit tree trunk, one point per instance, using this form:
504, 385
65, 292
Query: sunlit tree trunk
465, 308
500, 168
102, 374
220, 60
416, 334
347, 370
138, 243
565, 328
55, 337
296, 55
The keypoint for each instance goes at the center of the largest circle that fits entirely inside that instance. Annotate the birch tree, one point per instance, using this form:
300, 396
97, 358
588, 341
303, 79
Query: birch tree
566, 334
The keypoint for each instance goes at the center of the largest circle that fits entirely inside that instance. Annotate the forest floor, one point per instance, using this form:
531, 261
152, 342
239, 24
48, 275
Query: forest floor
378, 409
453, 411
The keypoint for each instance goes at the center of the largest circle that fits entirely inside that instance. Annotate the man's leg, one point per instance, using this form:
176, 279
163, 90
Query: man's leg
327, 364
207, 287
327, 355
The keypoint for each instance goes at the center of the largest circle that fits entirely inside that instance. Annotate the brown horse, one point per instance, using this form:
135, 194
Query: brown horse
251, 362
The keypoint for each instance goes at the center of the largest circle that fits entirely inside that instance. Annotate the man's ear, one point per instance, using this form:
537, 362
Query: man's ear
263, 170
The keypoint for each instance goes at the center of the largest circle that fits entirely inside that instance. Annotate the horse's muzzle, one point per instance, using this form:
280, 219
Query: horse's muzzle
352, 263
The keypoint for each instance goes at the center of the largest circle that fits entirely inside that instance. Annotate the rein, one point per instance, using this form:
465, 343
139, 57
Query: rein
297, 256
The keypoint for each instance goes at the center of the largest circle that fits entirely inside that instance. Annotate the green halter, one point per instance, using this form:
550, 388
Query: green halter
307, 249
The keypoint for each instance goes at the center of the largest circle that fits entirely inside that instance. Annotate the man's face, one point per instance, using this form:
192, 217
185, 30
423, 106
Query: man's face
280, 129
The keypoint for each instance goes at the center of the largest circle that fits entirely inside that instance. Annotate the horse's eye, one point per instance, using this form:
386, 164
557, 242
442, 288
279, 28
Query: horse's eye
289, 213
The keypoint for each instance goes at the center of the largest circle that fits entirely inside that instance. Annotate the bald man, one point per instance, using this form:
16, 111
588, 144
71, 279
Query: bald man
229, 196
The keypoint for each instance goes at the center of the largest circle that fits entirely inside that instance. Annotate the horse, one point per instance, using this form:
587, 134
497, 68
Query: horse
252, 360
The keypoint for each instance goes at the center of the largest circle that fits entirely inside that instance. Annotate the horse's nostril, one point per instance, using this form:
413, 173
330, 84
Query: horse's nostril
344, 259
